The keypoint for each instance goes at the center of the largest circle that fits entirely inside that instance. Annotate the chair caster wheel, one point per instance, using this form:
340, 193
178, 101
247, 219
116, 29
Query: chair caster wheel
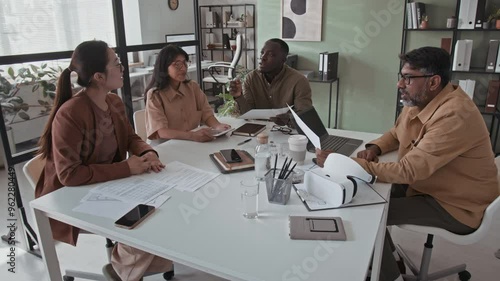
168, 275
68, 278
464, 275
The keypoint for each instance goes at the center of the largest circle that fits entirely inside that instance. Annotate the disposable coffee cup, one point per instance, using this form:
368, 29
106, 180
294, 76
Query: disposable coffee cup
297, 144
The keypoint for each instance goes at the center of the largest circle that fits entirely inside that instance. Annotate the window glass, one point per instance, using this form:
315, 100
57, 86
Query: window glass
27, 93
34, 26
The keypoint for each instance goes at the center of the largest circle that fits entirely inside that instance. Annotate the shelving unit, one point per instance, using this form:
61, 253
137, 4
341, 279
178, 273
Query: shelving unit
477, 70
247, 30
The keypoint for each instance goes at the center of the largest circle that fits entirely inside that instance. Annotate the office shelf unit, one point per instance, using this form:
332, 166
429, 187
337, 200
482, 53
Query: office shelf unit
477, 70
213, 26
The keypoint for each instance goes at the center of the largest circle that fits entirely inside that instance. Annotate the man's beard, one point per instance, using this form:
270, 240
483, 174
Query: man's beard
417, 99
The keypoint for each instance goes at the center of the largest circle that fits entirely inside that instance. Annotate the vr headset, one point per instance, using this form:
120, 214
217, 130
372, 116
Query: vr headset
337, 182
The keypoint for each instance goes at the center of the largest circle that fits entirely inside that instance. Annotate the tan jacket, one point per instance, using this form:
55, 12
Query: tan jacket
183, 109
71, 162
444, 151
288, 87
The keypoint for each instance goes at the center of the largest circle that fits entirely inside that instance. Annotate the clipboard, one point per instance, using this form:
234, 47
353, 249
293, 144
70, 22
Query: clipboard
369, 196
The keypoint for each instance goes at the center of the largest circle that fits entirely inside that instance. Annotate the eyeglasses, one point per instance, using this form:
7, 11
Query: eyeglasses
407, 78
180, 64
284, 129
119, 65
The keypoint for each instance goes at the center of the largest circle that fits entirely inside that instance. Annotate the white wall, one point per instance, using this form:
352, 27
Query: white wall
132, 20
157, 20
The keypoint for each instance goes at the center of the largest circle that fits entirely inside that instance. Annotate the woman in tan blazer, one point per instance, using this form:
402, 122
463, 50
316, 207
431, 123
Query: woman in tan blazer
175, 105
86, 141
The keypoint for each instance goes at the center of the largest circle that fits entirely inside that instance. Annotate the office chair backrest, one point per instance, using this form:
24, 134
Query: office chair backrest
236, 57
140, 124
33, 169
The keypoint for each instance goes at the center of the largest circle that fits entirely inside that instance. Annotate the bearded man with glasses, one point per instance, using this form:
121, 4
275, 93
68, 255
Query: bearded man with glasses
446, 174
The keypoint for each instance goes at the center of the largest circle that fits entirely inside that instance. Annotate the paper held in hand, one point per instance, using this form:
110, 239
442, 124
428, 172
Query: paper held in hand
309, 133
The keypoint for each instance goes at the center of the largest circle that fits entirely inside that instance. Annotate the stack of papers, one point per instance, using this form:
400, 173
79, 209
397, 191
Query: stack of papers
113, 199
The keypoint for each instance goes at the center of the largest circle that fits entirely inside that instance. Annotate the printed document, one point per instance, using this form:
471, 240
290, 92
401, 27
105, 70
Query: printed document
265, 114
184, 177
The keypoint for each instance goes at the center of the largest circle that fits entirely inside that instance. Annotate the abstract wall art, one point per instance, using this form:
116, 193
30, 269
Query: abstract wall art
301, 20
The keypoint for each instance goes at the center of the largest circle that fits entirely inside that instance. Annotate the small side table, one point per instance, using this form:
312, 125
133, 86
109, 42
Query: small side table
331, 81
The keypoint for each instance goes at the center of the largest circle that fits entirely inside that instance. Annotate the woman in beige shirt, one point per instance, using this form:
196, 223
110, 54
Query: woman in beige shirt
175, 105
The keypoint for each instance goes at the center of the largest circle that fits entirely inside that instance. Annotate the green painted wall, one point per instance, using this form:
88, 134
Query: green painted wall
368, 36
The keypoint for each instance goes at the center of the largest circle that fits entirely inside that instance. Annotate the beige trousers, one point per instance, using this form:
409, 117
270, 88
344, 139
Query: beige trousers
132, 264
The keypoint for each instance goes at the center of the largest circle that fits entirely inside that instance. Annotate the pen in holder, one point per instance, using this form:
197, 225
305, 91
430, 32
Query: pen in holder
278, 189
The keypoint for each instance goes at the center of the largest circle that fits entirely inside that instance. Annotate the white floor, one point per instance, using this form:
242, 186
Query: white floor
90, 253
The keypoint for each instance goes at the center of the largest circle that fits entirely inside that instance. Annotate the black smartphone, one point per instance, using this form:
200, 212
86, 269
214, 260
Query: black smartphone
135, 216
230, 155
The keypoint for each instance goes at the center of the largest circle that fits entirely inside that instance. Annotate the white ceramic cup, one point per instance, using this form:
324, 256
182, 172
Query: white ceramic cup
297, 144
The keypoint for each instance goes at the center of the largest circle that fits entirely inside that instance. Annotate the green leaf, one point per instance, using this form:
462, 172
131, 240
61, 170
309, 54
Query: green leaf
34, 67
42, 102
44, 65
23, 115
35, 87
11, 73
24, 106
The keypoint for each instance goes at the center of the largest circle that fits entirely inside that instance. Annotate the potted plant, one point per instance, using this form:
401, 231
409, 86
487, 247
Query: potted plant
26, 95
494, 17
229, 107
33, 80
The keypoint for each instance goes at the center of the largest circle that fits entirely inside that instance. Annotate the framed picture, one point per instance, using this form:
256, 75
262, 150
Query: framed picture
301, 20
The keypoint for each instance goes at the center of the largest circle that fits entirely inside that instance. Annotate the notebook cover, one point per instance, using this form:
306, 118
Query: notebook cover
316, 228
249, 129
226, 168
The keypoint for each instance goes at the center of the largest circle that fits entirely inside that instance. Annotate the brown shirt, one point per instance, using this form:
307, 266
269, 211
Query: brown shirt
73, 160
105, 134
182, 109
288, 87
444, 151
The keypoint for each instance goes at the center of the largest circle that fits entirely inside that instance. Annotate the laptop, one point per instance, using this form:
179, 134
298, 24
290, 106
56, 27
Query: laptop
342, 145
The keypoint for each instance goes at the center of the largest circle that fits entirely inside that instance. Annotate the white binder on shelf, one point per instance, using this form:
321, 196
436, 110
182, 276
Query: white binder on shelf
497, 67
461, 58
468, 54
467, 14
414, 15
409, 17
471, 85
209, 18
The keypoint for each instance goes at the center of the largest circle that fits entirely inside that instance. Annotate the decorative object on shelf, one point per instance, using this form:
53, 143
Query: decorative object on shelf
299, 23
424, 24
494, 18
173, 4
451, 22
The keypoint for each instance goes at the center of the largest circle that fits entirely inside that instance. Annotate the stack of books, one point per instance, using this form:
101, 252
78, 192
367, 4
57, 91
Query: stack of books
247, 162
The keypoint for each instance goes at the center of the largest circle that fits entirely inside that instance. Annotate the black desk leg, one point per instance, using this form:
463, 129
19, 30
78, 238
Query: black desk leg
336, 102
330, 107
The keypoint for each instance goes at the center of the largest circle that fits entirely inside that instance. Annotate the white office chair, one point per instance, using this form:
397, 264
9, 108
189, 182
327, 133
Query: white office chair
231, 67
140, 124
422, 274
32, 170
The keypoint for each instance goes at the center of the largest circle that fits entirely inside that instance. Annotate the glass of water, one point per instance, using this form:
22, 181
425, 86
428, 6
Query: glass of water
250, 198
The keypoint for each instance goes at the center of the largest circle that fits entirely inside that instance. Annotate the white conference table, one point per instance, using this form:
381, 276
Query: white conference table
206, 230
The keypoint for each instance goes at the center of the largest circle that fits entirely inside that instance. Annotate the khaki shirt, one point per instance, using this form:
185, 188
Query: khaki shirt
183, 109
444, 151
288, 87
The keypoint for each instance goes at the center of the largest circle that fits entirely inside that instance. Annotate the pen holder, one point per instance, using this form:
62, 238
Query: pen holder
278, 190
